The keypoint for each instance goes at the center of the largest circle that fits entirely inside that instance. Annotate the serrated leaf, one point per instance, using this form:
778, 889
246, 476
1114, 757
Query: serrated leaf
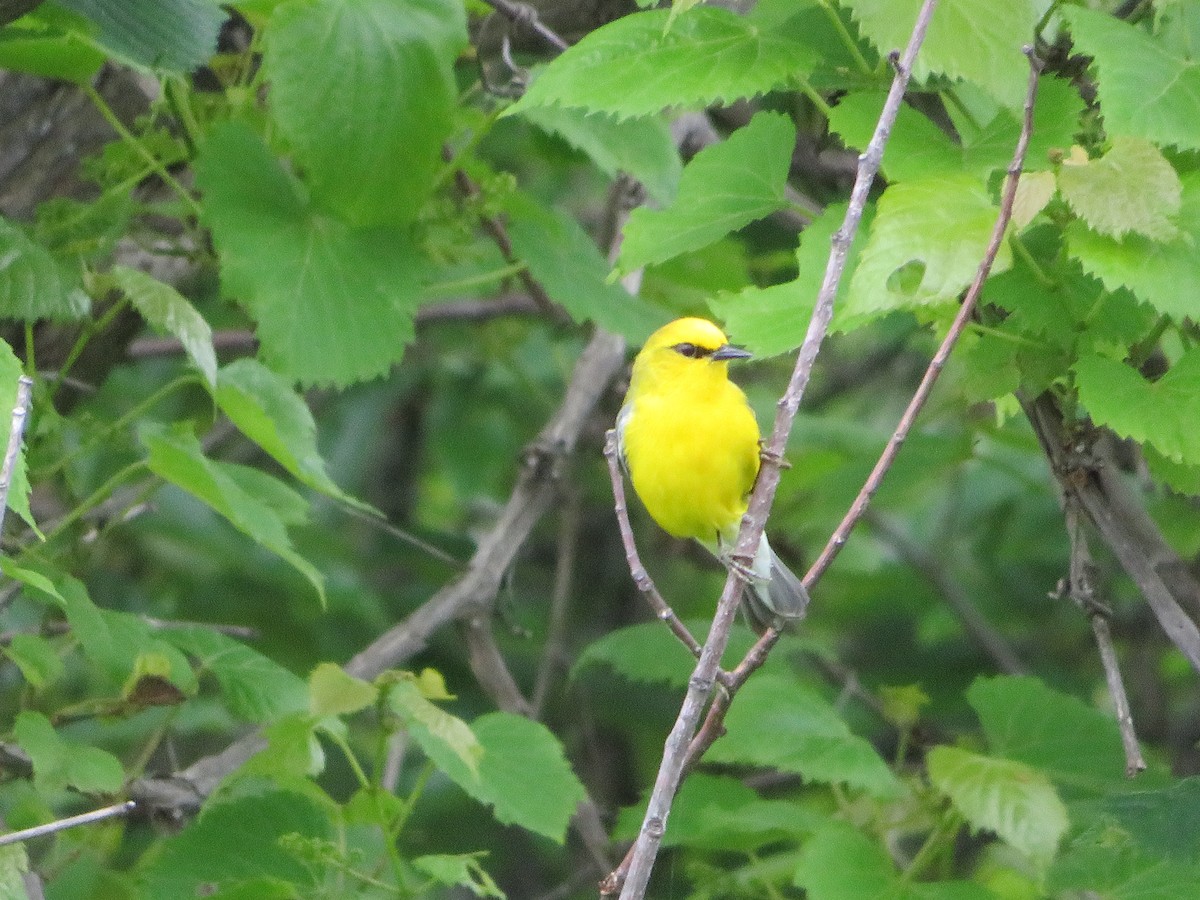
333, 692
40, 665
176, 456
1166, 275
1146, 89
57, 764
445, 738
40, 48
841, 863
364, 91
650, 654
1165, 821
1076, 745
1015, 801
781, 724
459, 870
1163, 413
265, 408
640, 147
924, 248
1114, 870
523, 775
634, 66
1034, 191
334, 304
991, 58
168, 312
1131, 188
33, 284
254, 687
724, 187
565, 261
916, 148
236, 841
11, 371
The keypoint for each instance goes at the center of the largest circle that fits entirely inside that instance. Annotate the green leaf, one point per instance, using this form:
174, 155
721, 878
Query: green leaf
645, 653
634, 66
1131, 188
1015, 801
781, 724
523, 775
332, 692
265, 408
334, 304
58, 765
1110, 866
11, 371
254, 687
171, 35
925, 245
1166, 275
1163, 413
364, 91
14, 863
41, 48
445, 738
1146, 89
454, 870
841, 863
992, 58
236, 841
176, 455
36, 658
565, 261
1073, 743
1165, 821
774, 319
916, 149
33, 284
640, 147
724, 187
168, 312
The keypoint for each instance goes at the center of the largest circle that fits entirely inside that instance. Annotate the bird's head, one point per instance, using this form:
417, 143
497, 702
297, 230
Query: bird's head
684, 349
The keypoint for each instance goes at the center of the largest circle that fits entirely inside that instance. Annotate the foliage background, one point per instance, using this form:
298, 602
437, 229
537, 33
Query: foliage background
300, 284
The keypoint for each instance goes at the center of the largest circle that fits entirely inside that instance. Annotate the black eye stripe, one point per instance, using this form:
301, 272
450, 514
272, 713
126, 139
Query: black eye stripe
691, 351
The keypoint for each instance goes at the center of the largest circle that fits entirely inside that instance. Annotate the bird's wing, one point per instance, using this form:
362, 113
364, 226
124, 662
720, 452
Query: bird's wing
622, 420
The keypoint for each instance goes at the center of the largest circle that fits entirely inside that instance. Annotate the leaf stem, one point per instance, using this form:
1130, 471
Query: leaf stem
446, 288
97, 497
89, 331
133, 141
817, 100
846, 37
938, 841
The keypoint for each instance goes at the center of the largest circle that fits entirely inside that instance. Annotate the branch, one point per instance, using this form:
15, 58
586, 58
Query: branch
523, 14
641, 577
676, 750
87, 818
978, 628
1082, 592
1091, 480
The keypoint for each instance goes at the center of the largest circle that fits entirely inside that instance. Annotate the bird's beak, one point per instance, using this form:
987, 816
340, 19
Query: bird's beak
728, 351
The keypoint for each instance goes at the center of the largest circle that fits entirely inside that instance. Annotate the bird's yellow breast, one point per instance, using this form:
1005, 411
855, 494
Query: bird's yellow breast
691, 445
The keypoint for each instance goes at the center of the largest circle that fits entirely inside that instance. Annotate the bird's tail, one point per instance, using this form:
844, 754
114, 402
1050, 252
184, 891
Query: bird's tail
774, 595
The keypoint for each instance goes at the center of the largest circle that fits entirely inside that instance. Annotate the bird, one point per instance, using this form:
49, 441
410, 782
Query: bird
690, 443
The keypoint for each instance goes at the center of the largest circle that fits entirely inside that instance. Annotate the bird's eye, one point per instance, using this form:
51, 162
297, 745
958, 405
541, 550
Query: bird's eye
691, 351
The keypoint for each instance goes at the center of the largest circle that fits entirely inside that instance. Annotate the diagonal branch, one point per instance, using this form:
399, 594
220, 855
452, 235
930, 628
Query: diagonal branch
675, 753
15, 433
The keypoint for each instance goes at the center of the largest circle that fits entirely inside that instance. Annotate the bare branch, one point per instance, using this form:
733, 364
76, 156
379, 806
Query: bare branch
641, 577
1082, 592
87, 818
676, 750
524, 14
977, 627
554, 654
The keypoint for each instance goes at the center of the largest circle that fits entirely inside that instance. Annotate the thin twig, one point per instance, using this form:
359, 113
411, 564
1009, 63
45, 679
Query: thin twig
96, 815
1081, 589
641, 577
555, 652
523, 14
713, 724
13, 449
633, 881
859, 506
931, 567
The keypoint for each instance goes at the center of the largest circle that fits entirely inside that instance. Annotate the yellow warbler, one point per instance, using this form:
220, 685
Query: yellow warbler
691, 445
